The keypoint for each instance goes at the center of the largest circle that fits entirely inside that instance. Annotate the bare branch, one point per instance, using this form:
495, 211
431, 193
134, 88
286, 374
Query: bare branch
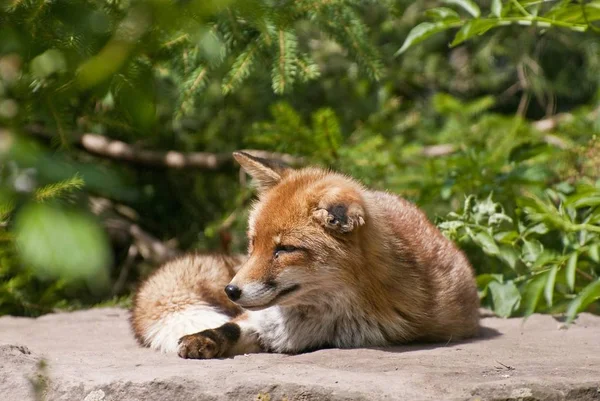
124, 231
117, 150
440, 150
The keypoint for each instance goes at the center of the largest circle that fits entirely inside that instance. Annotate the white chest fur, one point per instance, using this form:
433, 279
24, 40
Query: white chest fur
332, 324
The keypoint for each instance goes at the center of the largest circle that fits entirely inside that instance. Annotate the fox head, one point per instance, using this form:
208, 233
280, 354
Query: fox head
303, 235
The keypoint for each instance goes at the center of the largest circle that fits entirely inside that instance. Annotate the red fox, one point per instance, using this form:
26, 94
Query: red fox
330, 264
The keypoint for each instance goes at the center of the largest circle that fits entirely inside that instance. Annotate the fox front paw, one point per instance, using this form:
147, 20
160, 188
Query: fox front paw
198, 346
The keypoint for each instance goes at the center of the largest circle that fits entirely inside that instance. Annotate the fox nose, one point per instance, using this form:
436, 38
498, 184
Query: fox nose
233, 292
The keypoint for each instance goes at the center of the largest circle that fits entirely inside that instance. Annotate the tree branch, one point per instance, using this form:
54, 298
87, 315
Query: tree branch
124, 231
117, 150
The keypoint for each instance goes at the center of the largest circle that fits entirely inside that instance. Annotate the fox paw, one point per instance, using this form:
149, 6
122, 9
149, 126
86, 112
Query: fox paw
197, 346
340, 217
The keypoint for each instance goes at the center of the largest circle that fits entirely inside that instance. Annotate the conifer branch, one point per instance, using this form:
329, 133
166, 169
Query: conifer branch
284, 68
282, 56
58, 189
241, 67
192, 86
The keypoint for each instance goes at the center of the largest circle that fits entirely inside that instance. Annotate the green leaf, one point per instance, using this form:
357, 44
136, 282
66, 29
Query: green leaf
531, 250
509, 256
423, 31
505, 297
539, 228
470, 6
533, 291
483, 280
594, 252
452, 225
588, 295
549, 288
62, 244
479, 105
449, 105
486, 242
527, 151
587, 201
442, 14
497, 8
472, 28
506, 237
570, 271
50, 62
547, 257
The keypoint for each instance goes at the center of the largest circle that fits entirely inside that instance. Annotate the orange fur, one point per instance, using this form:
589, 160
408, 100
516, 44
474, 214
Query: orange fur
332, 263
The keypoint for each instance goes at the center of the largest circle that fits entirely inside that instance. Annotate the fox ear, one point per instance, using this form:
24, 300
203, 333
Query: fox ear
340, 215
267, 173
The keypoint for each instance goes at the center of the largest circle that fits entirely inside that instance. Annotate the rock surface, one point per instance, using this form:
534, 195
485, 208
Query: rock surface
92, 356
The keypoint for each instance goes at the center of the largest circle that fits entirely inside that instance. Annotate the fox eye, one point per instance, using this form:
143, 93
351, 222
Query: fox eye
279, 249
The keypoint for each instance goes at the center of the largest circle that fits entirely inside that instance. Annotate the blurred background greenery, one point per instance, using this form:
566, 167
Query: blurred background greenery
118, 119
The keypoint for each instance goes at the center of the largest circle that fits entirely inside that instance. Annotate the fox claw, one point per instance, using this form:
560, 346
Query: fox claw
197, 346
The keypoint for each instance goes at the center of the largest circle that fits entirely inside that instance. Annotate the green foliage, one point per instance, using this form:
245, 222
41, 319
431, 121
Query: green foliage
506, 118
548, 247
578, 16
48, 253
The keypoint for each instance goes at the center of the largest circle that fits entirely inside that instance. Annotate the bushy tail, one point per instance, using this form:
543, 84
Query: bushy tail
164, 334
183, 297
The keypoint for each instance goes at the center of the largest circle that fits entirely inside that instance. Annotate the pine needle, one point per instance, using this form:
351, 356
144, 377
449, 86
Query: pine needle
59, 189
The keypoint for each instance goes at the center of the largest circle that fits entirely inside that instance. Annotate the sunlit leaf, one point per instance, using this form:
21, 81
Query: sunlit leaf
539, 229
470, 6
497, 8
533, 291
50, 62
588, 295
473, 28
483, 281
531, 250
423, 31
486, 242
549, 288
571, 270
509, 255
505, 297
62, 244
442, 14
548, 256
594, 252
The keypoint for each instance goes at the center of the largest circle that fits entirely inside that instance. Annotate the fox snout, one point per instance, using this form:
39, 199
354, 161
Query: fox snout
233, 292
259, 295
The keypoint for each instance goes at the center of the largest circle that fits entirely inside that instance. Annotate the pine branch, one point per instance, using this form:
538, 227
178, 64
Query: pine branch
191, 88
307, 68
242, 67
59, 189
57, 120
284, 68
6, 208
345, 27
